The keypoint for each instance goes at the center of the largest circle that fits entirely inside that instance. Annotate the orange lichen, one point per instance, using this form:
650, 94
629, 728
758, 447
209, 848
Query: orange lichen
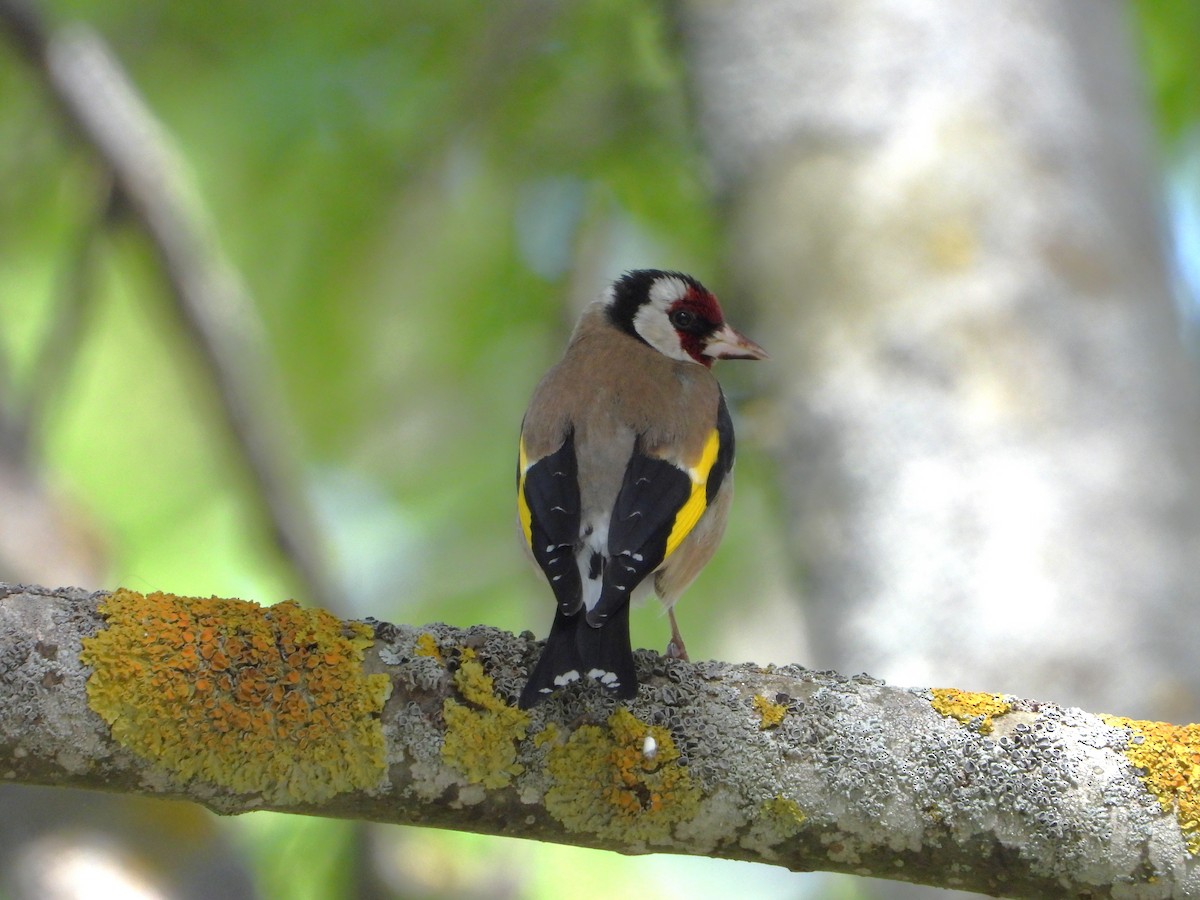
970, 707
270, 701
770, 713
481, 743
606, 783
1169, 759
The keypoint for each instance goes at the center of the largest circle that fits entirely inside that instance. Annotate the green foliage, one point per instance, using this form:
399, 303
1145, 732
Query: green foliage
414, 192
406, 188
1169, 34
410, 191
300, 858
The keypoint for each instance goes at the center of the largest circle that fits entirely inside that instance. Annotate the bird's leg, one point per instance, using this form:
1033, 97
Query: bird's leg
676, 649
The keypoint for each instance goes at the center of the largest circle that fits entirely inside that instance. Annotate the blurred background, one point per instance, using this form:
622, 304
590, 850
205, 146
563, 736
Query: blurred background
969, 237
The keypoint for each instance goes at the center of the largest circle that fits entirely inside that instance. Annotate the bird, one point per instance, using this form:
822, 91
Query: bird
624, 471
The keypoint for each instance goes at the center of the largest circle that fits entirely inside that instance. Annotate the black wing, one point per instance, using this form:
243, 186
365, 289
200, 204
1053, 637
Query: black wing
575, 651
548, 508
724, 463
657, 507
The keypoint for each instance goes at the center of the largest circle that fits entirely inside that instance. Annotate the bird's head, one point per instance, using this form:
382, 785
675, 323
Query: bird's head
677, 316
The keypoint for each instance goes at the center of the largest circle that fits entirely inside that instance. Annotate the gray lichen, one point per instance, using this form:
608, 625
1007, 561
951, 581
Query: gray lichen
801, 768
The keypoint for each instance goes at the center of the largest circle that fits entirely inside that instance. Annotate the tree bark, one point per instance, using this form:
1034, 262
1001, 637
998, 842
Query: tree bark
808, 770
985, 417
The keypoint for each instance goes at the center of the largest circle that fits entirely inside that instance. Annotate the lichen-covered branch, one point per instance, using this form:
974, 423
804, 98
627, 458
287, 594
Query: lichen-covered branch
241, 707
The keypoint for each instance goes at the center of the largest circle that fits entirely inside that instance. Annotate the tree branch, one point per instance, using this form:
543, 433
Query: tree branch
240, 707
58, 349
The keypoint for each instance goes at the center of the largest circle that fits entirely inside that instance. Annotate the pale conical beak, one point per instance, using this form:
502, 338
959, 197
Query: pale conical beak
730, 344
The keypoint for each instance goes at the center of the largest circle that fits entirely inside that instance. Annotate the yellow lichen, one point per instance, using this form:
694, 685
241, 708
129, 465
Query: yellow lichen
778, 820
770, 713
427, 646
482, 743
606, 781
267, 701
784, 815
1169, 757
968, 706
548, 735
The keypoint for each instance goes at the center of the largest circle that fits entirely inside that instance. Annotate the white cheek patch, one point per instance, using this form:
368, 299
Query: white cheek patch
652, 324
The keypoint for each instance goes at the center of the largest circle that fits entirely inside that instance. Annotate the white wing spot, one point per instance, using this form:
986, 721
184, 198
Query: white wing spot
606, 678
566, 678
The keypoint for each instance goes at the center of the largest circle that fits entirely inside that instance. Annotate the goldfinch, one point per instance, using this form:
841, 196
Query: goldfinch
625, 470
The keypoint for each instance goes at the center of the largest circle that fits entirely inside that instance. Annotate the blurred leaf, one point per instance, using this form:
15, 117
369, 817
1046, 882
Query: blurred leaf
1169, 33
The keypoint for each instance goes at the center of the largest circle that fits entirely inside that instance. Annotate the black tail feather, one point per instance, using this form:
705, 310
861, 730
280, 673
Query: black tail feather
603, 654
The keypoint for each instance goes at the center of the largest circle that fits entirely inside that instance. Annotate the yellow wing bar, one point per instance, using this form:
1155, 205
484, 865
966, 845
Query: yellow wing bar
693, 508
524, 516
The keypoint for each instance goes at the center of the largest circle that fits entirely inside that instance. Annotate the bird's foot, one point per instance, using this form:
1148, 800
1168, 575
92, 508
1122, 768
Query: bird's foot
676, 649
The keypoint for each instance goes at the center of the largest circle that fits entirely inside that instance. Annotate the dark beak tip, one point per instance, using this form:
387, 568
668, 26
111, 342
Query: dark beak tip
752, 351
758, 353
749, 356
735, 345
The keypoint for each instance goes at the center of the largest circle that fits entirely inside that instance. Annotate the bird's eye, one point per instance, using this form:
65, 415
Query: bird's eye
683, 319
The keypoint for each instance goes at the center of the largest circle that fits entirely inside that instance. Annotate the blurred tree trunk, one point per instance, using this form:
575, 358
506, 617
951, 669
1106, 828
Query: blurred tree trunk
986, 420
